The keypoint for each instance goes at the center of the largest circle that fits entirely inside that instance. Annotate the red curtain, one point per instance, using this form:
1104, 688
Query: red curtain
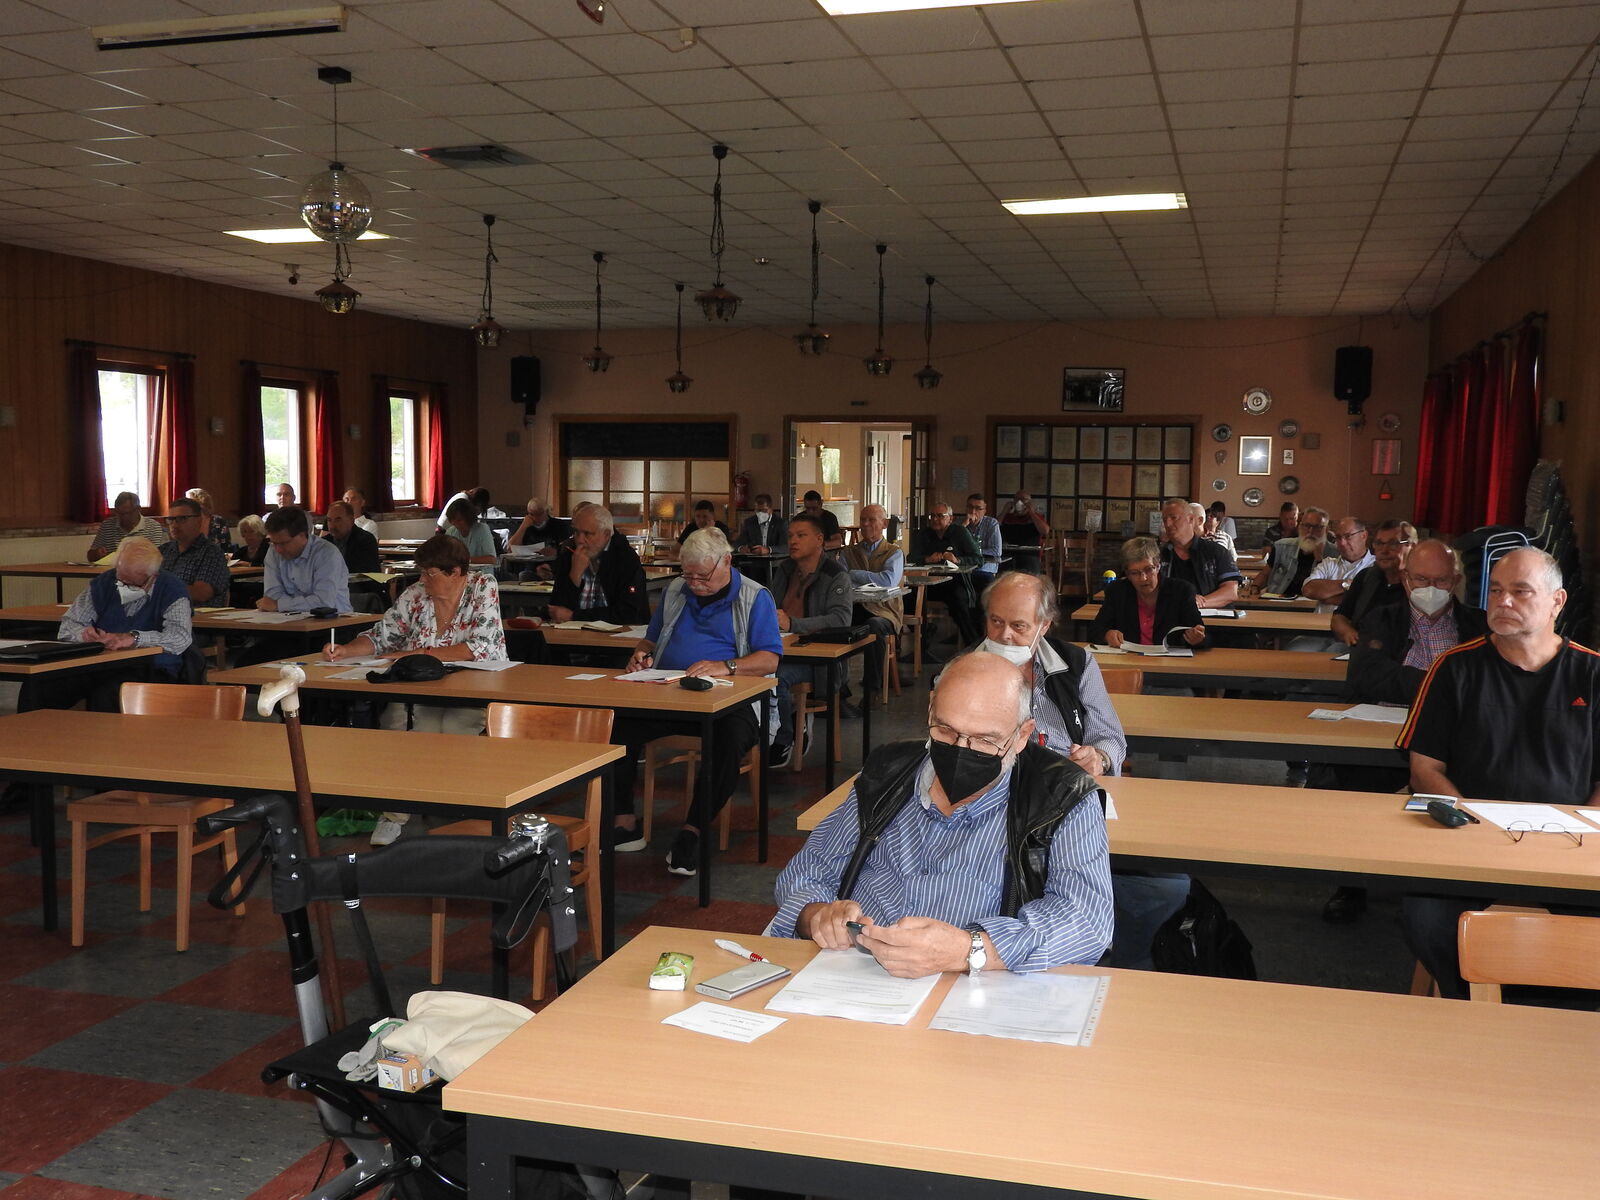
175, 452
380, 491
438, 448
252, 454
1478, 436
1516, 434
327, 471
1429, 503
86, 483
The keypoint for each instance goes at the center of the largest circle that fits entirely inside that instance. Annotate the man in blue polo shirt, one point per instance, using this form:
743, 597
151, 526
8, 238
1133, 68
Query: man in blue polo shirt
302, 572
712, 623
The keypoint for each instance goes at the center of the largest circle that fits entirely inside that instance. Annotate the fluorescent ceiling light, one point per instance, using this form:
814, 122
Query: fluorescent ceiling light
1145, 202
289, 22
850, 8
284, 237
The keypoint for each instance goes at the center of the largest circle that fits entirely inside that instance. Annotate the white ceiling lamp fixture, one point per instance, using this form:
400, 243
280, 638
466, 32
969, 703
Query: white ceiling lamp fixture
852, 8
813, 340
717, 301
287, 237
1137, 202
486, 330
678, 382
930, 376
597, 360
336, 205
289, 22
879, 364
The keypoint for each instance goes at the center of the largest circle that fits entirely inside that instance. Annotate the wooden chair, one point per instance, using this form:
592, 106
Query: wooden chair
891, 667
546, 723
673, 751
1123, 681
804, 706
1074, 564
911, 623
1529, 947
143, 814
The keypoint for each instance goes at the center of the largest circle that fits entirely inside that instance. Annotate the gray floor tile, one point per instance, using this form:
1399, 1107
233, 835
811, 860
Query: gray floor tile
195, 1145
130, 966
162, 1043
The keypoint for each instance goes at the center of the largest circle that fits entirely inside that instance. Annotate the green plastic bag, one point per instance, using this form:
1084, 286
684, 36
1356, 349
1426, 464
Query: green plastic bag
342, 822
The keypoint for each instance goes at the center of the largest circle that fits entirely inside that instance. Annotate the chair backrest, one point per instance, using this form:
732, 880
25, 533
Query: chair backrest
550, 722
1075, 556
1123, 681
1532, 948
217, 702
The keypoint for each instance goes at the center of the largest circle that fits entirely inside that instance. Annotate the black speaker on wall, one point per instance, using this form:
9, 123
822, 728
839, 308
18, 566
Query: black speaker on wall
1352, 375
525, 382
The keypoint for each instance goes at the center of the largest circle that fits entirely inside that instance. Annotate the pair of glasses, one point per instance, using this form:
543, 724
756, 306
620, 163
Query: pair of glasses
970, 741
701, 579
1517, 829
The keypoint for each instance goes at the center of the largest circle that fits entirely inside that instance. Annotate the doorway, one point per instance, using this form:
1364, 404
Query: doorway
858, 461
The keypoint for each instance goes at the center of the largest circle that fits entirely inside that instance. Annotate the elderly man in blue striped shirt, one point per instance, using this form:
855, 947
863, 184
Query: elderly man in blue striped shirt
979, 850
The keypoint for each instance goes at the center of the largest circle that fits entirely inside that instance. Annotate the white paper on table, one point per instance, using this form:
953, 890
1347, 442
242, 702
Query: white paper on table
595, 675
1591, 814
850, 984
353, 673
1361, 712
1506, 814
7, 643
239, 614
719, 1020
525, 550
651, 675
1033, 1007
1345, 657
596, 626
632, 632
365, 663
1231, 614
487, 664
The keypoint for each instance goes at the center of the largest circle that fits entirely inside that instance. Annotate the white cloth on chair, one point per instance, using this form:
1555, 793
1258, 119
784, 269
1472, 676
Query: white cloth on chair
449, 1031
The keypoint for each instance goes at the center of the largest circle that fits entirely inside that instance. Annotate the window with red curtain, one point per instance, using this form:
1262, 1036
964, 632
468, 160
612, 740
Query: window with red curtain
1516, 440
380, 494
1436, 393
439, 488
327, 445
291, 431
133, 412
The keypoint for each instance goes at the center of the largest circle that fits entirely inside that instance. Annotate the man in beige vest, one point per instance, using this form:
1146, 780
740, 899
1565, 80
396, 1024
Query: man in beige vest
874, 560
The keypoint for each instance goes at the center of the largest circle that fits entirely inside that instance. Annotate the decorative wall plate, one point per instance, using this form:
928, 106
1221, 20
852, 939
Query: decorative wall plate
1289, 484
1253, 497
1220, 457
1257, 401
1221, 433
1389, 422
1288, 428
1219, 485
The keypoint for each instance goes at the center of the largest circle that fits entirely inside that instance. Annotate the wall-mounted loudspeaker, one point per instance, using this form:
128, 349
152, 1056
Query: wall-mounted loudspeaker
525, 382
1352, 375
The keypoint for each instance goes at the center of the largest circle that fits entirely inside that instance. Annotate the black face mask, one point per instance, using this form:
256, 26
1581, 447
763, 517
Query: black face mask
962, 771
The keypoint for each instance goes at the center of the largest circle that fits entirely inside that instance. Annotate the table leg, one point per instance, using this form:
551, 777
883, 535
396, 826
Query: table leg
42, 802
491, 1166
833, 724
605, 860
761, 773
707, 749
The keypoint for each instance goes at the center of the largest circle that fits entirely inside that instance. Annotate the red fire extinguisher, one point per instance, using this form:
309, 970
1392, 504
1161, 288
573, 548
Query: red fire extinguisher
741, 490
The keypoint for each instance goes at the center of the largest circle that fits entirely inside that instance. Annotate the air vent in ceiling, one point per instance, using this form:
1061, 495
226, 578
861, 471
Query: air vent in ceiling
473, 156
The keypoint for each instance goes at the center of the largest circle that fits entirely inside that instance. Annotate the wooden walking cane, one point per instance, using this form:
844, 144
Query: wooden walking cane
287, 692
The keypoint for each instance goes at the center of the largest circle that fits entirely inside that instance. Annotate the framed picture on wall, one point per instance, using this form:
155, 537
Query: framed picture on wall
1091, 478
1119, 442
1175, 479
1119, 479
1064, 479
1036, 441
1147, 441
1118, 514
1144, 513
1092, 442
1008, 441
1091, 388
1007, 478
1036, 478
1255, 456
1146, 480
1177, 441
1063, 514
1064, 442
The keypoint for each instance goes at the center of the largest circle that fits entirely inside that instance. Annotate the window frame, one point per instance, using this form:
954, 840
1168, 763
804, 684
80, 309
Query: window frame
417, 398
156, 396
306, 452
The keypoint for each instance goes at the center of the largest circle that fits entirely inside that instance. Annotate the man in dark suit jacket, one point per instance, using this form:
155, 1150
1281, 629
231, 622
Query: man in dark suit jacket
758, 536
1142, 607
599, 577
360, 548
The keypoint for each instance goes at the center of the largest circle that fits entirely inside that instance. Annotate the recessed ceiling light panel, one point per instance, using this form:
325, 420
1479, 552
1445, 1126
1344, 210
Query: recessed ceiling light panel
288, 22
284, 237
1141, 202
851, 8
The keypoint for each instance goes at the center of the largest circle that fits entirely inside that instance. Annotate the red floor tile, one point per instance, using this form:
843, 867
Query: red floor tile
29, 947
257, 982
303, 1175
241, 1074
45, 1113
40, 1017
36, 1187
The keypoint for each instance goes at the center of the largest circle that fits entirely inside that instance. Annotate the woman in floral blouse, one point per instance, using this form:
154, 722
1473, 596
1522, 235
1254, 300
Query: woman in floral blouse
452, 613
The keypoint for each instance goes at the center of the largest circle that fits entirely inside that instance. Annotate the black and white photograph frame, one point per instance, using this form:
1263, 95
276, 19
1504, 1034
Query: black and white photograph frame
1092, 389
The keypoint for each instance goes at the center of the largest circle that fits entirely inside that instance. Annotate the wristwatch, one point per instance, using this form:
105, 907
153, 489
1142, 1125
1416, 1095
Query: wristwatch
733, 666
978, 955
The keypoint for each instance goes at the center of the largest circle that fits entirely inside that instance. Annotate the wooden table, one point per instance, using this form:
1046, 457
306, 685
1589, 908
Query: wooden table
1251, 830
1231, 667
795, 650
62, 571
1271, 729
439, 773
1253, 621
1193, 1089
527, 683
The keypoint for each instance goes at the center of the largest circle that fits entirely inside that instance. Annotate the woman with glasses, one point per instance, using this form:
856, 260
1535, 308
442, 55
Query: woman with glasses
252, 548
452, 613
1143, 608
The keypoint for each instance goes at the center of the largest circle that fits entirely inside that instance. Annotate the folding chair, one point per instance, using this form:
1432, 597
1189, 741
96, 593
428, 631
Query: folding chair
394, 1138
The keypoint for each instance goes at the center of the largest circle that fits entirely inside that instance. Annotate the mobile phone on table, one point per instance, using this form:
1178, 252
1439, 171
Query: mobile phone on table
741, 980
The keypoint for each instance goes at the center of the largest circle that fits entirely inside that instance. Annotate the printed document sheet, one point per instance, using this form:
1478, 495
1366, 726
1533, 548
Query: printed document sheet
850, 984
1032, 1007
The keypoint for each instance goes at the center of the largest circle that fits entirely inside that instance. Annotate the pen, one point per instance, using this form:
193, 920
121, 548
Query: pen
735, 948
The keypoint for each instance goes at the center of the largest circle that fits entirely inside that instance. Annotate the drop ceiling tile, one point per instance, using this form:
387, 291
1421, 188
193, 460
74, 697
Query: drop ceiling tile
1500, 32
1345, 133
1104, 145
1008, 150
1358, 78
969, 100
1251, 83
1373, 40
917, 32
630, 123
1230, 114
1250, 137
947, 69
1006, 125
1081, 60
503, 63
1367, 106
1504, 98
568, 97
1133, 119
1221, 51
787, 41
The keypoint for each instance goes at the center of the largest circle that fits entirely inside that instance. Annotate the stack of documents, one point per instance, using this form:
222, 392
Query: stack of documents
1544, 818
1033, 1007
850, 984
1361, 712
1144, 648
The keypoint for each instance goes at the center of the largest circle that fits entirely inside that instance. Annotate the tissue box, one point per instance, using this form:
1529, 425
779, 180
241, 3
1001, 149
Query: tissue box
403, 1073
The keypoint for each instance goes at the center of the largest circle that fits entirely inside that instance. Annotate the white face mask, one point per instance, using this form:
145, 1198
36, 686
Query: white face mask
128, 594
1018, 656
1429, 601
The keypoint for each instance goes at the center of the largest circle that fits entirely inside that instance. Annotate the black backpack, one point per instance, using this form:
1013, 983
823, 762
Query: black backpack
1202, 939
